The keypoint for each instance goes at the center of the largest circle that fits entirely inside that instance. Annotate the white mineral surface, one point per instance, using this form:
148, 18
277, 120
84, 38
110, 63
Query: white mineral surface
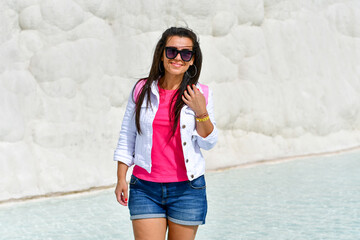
285, 76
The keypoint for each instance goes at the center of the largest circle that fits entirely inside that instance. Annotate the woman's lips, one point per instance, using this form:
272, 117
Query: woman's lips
176, 64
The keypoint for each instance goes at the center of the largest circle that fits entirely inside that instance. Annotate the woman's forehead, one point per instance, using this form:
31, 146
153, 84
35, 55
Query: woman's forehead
180, 42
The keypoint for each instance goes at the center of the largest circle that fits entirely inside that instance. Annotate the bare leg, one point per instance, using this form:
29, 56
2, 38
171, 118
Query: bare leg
181, 232
149, 229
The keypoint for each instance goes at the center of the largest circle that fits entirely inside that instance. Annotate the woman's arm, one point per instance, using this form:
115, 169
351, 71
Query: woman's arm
124, 152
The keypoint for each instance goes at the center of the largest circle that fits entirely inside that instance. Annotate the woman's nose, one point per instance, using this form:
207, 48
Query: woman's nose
178, 57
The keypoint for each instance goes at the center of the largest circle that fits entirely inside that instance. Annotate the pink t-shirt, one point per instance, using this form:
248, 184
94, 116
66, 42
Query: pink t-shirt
166, 154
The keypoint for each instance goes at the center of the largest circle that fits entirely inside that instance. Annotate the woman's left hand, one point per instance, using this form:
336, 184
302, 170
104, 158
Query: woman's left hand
195, 100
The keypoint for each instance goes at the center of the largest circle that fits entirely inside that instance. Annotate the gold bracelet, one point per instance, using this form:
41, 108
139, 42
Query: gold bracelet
202, 119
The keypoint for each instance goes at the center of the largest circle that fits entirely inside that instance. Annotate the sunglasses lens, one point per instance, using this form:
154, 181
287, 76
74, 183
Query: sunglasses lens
186, 55
171, 53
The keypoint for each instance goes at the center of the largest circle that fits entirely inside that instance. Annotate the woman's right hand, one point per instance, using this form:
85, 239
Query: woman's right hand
121, 192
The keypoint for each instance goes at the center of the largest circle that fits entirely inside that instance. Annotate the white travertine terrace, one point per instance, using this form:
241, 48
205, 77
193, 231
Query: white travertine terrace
285, 75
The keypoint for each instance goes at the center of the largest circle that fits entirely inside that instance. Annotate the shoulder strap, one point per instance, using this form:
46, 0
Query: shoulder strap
138, 88
205, 89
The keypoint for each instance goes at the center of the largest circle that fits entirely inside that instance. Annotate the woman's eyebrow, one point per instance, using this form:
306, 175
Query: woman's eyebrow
180, 47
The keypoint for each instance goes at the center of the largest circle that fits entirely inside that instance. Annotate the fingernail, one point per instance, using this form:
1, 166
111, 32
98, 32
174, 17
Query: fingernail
125, 199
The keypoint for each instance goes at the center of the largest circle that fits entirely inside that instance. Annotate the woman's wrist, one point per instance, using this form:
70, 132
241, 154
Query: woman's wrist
121, 180
121, 172
202, 117
202, 114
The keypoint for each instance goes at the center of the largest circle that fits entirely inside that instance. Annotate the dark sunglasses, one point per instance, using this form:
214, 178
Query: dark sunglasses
171, 53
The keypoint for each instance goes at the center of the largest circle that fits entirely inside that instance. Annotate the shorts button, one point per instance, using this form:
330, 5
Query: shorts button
184, 143
192, 176
187, 160
183, 126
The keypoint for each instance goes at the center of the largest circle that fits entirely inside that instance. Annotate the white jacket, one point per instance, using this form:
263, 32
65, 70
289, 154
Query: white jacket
133, 148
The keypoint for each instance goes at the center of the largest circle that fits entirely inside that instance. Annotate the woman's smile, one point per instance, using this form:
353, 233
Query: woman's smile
176, 63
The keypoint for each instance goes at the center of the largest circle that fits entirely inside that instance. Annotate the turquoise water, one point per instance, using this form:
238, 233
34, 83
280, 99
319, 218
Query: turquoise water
313, 198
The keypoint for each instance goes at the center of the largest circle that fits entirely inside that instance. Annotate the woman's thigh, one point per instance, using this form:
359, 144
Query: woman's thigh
181, 232
149, 228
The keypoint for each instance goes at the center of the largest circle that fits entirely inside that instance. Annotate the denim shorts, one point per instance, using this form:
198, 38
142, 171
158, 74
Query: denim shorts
180, 202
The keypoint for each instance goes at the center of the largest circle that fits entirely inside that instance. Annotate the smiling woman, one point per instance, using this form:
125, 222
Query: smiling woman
167, 188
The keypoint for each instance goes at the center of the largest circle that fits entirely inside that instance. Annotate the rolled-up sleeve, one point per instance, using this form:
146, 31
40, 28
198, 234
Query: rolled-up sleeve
209, 141
125, 149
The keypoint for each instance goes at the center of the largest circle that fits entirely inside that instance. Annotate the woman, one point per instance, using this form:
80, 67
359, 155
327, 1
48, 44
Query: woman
168, 118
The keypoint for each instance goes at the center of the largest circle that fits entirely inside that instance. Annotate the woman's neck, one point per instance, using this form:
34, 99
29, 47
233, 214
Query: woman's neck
170, 82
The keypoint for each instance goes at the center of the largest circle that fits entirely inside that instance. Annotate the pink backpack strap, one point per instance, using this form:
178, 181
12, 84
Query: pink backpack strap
138, 88
205, 89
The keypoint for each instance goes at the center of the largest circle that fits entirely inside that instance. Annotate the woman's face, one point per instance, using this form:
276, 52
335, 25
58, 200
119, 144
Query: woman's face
177, 66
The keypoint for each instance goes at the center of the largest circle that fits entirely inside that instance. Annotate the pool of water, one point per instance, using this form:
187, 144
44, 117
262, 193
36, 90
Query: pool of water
313, 198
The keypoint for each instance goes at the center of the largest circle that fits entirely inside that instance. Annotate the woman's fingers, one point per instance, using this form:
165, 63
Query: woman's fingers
184, 99
186, 95
194, 99
121, 193
125, 195
192, 94
190, 90
119, 197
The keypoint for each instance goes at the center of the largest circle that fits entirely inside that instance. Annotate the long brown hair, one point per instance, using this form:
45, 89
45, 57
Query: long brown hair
157, 71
